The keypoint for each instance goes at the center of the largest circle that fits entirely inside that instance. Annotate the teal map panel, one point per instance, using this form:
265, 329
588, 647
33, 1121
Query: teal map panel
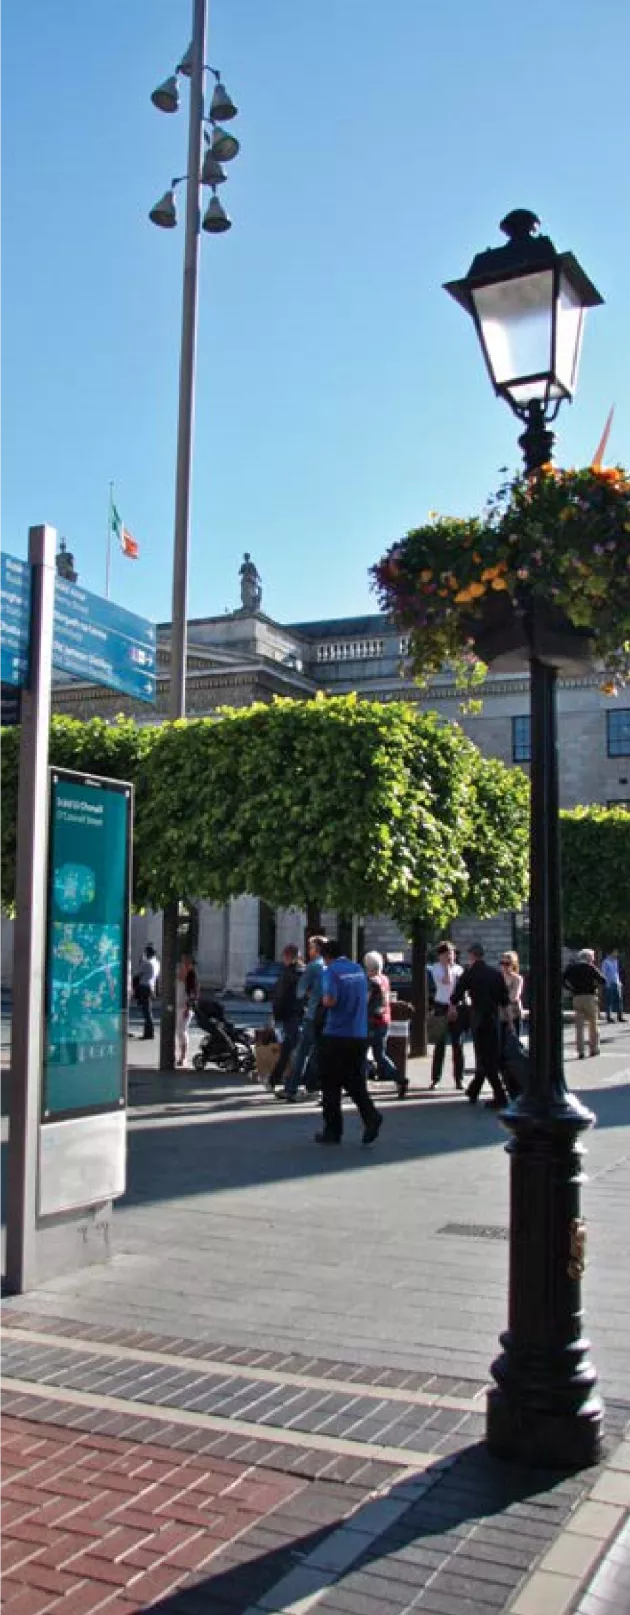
86, 954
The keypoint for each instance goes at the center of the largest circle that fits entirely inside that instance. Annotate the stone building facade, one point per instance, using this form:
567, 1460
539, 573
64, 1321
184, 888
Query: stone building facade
245, 656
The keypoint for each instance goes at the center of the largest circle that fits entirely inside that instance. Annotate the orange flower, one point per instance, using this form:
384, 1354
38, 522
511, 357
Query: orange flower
499, 583
489, 573
426, 576
475, 589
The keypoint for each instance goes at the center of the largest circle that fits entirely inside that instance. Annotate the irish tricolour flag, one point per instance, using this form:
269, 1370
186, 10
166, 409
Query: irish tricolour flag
128, 543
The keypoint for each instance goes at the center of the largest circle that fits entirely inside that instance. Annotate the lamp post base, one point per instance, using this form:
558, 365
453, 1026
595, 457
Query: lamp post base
541, 1437
544, 1409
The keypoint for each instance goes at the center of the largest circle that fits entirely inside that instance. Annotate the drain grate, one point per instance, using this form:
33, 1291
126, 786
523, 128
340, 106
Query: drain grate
475, 1230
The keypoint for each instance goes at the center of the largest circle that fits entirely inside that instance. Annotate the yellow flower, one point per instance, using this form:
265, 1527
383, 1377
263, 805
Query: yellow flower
499, 583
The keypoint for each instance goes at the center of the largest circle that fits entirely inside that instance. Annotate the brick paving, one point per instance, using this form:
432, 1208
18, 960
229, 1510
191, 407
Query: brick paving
113, 1524
124, 1510
228, 1420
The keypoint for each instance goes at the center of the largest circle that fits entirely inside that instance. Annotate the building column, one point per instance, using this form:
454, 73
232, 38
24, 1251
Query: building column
242, 948
290, 923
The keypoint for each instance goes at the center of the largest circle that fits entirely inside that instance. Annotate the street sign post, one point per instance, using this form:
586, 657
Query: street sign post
67, 1123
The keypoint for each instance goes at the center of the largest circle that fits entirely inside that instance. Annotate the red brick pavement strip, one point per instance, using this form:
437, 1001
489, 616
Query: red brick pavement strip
109, 1524
103, 1426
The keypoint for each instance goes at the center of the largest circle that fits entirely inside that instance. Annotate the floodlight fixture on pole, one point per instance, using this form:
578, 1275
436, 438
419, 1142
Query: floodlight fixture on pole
223, 146
164, 213
212, 172
222, 107
166, 96
215, 220
185, 67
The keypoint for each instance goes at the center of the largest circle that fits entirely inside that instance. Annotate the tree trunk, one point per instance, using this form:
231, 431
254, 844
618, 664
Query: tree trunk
419, 988
313, 924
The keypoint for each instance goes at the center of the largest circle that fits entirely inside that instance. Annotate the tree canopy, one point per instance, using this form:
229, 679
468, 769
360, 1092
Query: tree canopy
360, 806
596, 876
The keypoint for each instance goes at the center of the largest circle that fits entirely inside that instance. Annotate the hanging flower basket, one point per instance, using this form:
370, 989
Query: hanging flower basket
504, 636
545, 571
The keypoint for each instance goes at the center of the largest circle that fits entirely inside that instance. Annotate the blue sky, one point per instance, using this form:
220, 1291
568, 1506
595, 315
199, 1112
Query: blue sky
340, 392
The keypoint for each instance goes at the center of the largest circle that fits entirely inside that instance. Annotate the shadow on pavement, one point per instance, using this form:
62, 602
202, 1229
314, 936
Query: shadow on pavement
432, 1534
173, 1159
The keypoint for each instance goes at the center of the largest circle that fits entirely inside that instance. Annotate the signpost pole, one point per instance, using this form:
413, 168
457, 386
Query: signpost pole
30, 923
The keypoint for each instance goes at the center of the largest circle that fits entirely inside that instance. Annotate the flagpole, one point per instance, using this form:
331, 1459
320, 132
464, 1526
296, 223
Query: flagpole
108, 552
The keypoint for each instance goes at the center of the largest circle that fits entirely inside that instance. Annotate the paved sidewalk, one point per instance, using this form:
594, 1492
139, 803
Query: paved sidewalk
272, 1399
142, 1471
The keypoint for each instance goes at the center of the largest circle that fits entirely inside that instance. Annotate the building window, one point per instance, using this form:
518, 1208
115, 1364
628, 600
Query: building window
521, 740
618, 732
404, 645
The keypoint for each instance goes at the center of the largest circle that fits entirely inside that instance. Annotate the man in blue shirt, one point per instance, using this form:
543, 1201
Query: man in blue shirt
613, 1000
309, 992
344, 1045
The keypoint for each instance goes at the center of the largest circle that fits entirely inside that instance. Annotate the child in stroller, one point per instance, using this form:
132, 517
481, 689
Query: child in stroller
227, 1046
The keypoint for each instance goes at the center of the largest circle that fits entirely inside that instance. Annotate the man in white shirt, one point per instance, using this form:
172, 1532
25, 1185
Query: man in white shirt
445, 975
148, 974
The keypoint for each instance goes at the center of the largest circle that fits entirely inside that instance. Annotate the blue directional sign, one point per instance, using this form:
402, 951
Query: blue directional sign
103, 643
15, 617
11, 706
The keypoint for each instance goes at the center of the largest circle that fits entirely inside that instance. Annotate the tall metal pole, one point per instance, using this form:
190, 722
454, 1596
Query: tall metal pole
30, 922
177, 699
544, 1408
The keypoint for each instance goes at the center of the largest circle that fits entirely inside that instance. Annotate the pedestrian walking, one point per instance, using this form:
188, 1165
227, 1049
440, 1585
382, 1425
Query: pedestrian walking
146, 986
187, 991
613, 996
512, 1014
583, 980
287, 1010
344, 1046
485, 987
445, 974
379, 1022
309, 995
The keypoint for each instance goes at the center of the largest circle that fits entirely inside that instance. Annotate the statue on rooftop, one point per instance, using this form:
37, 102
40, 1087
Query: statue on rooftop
64, 561
251, 587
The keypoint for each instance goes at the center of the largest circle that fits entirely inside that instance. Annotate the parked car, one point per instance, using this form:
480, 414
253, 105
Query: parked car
398, 973
260, 982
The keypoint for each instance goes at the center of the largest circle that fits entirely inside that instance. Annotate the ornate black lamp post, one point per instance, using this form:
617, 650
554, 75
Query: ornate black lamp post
528, 303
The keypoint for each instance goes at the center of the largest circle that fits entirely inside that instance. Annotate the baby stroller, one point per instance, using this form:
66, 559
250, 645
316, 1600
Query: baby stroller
227, 1046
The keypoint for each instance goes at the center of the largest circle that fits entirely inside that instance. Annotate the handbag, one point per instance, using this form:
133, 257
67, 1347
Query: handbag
435, 1026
